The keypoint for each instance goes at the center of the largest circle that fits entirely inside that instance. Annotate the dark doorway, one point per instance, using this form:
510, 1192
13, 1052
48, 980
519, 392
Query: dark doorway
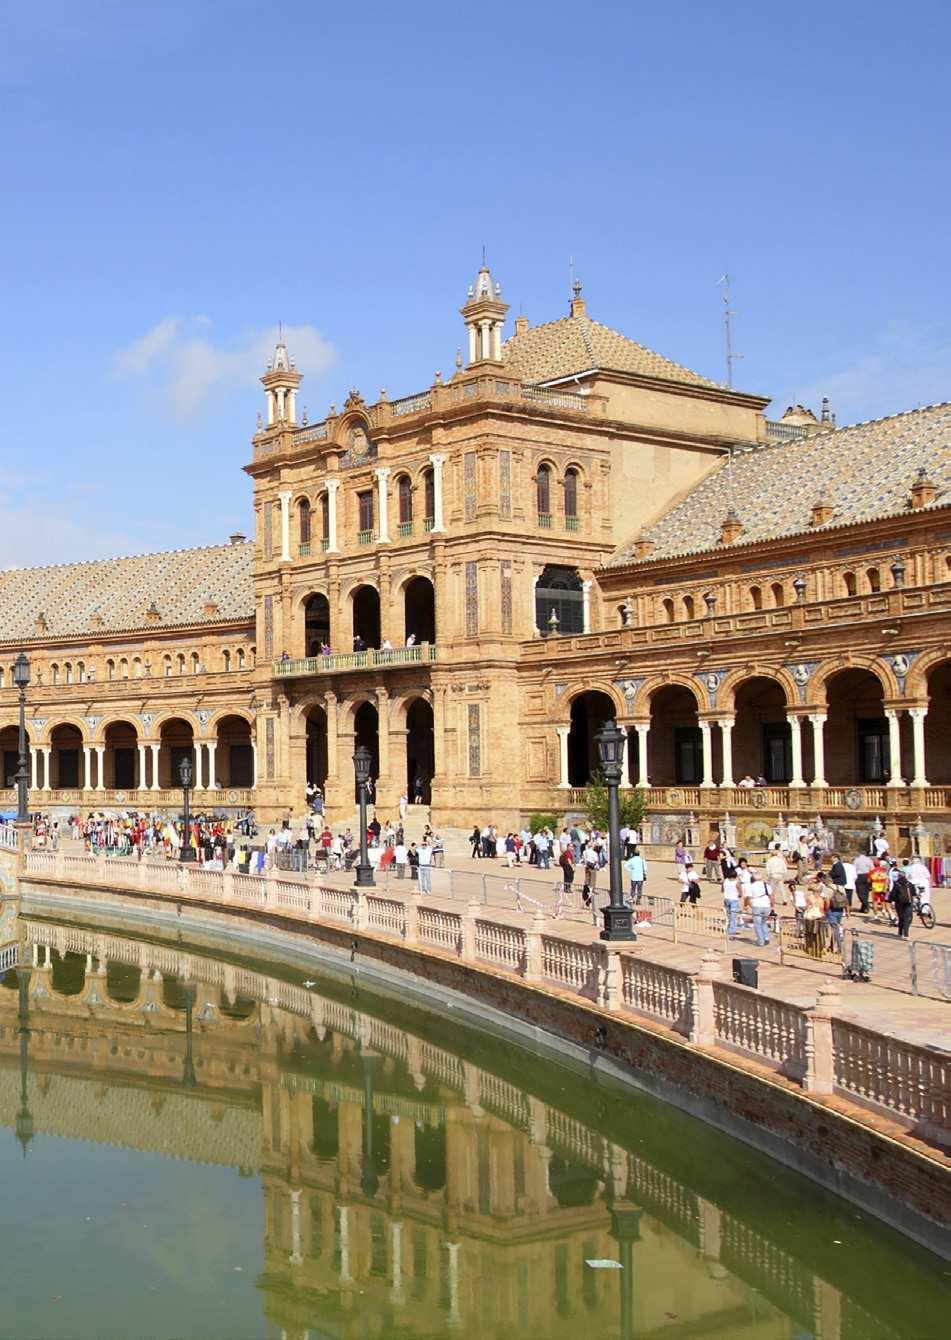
366, 732
317, 747
366, 616
419, 603
67, 746
559, 589
420, 750
589, 712
316, 624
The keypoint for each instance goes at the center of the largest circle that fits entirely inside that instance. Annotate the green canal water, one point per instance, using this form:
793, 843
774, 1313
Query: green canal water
195, 1144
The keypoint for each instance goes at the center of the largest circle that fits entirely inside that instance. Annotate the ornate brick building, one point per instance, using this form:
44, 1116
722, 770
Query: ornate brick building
470, 579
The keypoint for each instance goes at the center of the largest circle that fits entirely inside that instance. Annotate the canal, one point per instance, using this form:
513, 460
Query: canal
198, 1144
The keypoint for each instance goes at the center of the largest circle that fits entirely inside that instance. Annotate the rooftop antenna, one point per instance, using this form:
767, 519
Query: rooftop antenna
728, 315
483, 255
571, 274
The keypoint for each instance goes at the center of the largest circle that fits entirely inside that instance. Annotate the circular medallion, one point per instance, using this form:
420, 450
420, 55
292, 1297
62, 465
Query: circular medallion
853, 798
675, 797
757, 799
120, 797
232, 797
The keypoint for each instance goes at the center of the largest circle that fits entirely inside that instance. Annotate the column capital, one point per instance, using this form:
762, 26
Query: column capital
382, 472
725, 723
917, 713
818, 718
285, 495
437, 459
893, 713
332, 483
563, 730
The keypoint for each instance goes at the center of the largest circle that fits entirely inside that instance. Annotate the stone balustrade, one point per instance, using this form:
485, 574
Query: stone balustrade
811, 1046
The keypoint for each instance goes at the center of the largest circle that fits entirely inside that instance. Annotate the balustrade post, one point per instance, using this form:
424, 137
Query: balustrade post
59, 865
181, 872
101, 875
819, 1045
472, 910
361, 911
533, 947
411, 919
703, 1025
609, 979
227, 886
316, 900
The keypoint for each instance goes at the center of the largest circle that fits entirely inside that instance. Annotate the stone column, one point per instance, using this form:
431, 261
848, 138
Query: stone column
295, 1257
795, 730
643, 730
141, 778
254, 763
155, 765
87, 767
212, 781
383, 738
625, 771
918, 715
818, 721
199, 764
707, 745
472, 344
332, 486
894, 746
383, 521
47, 767
280, 402
437, 461
330, 707
563, 733
285, 500
33, 753
100, 767
726, 738
586, 607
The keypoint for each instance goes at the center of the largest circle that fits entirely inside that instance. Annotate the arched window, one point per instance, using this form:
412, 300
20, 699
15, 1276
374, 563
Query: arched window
252, 652
571, 499
404, 502
240, 658
196, 663
429, 499
136, 668
303, 523
54, 674
110, 669
81, 672
779, 595
688, 607
667, 605
166, 666
226, 660
559, 589
2, 677
123, 668
543, 495
324, 520
68, 672
181, 663
874, 579
756, 597
848, 581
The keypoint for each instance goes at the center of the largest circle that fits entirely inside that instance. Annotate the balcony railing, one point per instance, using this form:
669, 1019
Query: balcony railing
422, 654
404, 528
304, 549
544, 520
572, 523
859, 798
428, 522
365, 537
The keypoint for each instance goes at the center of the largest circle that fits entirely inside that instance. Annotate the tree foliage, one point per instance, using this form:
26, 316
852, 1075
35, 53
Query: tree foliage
595, 804
539, 821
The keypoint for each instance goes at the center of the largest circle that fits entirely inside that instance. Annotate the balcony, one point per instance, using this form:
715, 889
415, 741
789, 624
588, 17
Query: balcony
544, 520
404, 529
572, 523
364, 537
303, 549
344, 662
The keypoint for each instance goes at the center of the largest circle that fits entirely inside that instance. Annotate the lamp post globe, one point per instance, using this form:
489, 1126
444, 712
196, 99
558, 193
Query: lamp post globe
185, 776
362, 767
618, 917
21, 678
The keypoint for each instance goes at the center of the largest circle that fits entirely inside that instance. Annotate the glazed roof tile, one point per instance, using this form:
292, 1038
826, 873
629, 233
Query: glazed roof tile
120, 591
576, 344
863, 472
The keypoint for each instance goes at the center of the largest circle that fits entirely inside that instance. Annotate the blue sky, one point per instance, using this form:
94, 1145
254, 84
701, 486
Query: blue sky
179, 177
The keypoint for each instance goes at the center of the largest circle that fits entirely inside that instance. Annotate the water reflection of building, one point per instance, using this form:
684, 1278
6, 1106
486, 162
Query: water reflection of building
403, 1187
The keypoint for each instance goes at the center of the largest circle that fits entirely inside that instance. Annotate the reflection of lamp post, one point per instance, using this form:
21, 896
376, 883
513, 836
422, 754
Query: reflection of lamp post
625, 1226
24, 1121
189, 1079
362, 762
618, 919
185, 777
21, 677
369, 1181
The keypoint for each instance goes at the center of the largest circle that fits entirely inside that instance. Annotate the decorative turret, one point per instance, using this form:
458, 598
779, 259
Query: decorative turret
484, 315
731, 527
923, 490
280, 383
821, 512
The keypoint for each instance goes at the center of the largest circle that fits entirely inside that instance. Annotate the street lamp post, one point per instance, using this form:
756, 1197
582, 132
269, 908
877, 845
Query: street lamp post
618, 918
185, 777
362, 762
21, 678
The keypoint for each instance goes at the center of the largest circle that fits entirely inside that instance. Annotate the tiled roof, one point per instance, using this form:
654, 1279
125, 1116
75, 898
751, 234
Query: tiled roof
120, 591
863, 472
576, 344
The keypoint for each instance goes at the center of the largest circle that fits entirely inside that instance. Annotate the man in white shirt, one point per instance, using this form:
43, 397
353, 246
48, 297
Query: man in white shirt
425, 854
851, 876
399, 859
917, 873
760, 905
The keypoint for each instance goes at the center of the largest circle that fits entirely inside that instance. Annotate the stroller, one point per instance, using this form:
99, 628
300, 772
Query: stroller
859, 967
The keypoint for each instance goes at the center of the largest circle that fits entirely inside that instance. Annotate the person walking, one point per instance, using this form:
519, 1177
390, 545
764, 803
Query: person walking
761, 906
689, 884
776, 871
567, 868
636, 868
400, 857
425, 855
838, 905
711, 861
475, 841
901, 898
731, 904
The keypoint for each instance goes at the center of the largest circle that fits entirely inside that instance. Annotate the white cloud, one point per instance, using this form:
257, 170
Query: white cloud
905, 367
185, 365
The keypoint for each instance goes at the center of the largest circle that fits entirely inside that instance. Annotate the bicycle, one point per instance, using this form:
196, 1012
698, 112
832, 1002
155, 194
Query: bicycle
924, 911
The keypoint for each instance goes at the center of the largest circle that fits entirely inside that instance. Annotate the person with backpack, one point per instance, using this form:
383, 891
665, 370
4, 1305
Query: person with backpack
901, 898
838, 905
